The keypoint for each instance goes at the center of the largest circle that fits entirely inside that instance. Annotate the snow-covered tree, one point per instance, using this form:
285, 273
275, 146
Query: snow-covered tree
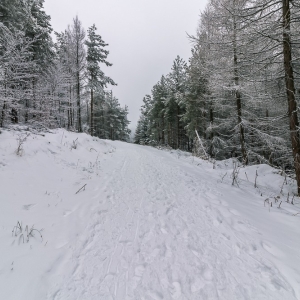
97, 80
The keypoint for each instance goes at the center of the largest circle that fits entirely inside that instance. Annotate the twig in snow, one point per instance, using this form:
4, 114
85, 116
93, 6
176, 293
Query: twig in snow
235, 173
80, 189
96, 160
246, 176
74, 145
224, 176
255, 185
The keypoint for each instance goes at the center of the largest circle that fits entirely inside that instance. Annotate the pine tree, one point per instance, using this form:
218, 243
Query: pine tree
96, 55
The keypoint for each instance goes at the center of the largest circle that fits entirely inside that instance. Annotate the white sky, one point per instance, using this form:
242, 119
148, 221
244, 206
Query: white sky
144, 37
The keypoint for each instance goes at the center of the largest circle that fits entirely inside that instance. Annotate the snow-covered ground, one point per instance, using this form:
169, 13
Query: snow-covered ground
149, 224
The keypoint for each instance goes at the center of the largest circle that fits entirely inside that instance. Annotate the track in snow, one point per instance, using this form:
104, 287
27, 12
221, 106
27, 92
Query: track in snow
160, 229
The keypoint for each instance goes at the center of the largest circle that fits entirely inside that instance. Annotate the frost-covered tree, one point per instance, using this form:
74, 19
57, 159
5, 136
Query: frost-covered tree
77, 62
97, 80
16, 74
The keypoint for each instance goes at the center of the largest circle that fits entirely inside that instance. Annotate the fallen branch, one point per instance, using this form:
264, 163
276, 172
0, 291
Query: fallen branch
80, 189
200, 142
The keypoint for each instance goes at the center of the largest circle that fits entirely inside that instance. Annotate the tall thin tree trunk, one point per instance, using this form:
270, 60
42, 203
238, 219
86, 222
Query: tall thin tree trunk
211, 137
163, 131
238, 95
87, 113
92, 112
4, 103
34, 97
69, 107
178, 135
3, 114
79, 126
169, 134
290, 88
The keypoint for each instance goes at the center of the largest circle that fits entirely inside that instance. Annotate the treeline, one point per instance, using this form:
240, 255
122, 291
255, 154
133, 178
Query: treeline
239, 90
55, 84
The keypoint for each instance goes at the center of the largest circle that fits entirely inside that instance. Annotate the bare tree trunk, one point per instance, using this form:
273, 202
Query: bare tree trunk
290, 88
87, 113
238, 96
92, 112
163, 131
69, 108
169, 134
178, 136
211, 121
3, 114
79, 126
4, 104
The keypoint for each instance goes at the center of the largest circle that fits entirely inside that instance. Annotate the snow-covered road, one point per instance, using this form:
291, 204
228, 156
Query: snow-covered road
158, 225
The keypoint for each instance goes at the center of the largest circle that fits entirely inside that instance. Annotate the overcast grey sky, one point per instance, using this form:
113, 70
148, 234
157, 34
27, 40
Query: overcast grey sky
144, 37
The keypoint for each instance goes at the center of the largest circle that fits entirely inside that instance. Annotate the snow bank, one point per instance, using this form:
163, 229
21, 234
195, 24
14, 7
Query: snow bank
38, 188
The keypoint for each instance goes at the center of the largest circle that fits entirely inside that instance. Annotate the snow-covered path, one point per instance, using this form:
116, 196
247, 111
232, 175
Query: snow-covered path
152, 225
160, 231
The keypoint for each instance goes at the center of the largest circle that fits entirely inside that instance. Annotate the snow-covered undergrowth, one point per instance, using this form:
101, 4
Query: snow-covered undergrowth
83, 218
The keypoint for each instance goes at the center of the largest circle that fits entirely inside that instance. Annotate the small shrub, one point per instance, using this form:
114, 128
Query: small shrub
74, 144
25, 233
21, 140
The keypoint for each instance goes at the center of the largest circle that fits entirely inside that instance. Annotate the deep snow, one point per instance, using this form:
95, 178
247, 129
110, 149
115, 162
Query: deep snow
150, 224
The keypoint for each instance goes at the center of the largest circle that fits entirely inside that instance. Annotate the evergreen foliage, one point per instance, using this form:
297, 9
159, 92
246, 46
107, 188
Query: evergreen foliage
243, 71
48, 85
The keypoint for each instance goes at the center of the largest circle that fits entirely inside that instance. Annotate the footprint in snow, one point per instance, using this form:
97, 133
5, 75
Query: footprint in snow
163, 230
197, 285
234, 212
66, 213
208, 274
272, 249
28, 206
175, 290
138, 273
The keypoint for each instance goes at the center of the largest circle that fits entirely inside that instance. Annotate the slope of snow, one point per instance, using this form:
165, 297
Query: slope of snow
149, 224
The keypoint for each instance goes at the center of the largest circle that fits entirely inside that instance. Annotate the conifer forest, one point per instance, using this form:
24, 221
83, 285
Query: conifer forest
239, 90
61, 84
